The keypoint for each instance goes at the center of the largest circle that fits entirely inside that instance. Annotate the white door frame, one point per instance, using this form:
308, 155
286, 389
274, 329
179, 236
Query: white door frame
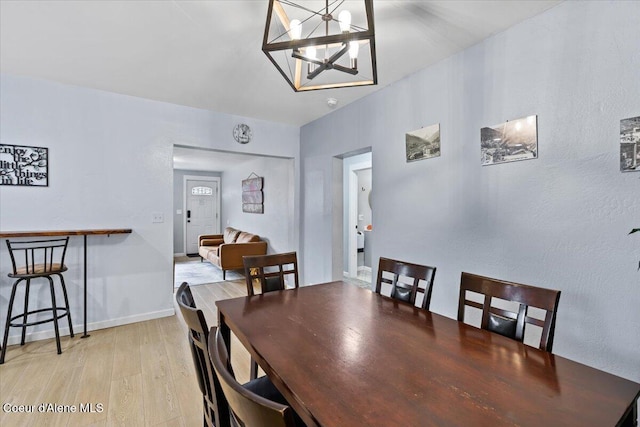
184, 203
352, 245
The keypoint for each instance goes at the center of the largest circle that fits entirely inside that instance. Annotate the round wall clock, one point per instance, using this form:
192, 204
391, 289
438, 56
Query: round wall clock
242, 133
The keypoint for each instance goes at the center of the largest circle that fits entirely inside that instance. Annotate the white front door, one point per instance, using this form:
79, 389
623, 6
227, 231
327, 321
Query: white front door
201, 216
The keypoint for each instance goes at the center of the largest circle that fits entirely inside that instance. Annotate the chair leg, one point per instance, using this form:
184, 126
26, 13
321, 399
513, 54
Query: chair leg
224, 274
205, 423
6, 326
55, 313
66, 304
26, 310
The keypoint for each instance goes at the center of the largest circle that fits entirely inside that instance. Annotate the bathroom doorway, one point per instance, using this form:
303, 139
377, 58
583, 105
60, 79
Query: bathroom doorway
357, 173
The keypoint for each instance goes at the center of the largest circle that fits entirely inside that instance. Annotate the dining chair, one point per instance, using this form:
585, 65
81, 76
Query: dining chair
246, 407
215, 407
401, 288
270, 272
506, 307
30, 260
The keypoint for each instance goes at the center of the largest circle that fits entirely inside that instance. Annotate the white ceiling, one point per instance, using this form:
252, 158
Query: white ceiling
207, 54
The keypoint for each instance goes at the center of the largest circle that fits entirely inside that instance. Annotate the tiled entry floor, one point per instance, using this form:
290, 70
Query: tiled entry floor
195, 272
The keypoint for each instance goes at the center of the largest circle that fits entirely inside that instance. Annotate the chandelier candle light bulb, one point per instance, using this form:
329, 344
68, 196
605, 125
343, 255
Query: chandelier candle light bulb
353, 53
311, 54
295, 27
344, 18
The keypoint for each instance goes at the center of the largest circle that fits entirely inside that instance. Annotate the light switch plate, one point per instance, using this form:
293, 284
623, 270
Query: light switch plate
157, 217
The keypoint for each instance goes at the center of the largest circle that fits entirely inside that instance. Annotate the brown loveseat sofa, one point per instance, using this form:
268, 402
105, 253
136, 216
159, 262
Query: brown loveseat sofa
226, 250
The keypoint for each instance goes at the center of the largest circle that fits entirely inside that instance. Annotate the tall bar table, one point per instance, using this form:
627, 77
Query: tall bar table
84, 233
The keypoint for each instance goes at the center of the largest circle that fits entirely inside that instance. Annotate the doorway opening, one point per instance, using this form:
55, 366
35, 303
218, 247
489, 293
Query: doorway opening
358, 225
202, 174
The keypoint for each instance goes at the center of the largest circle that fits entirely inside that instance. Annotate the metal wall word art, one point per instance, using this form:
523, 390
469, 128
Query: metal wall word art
24, 165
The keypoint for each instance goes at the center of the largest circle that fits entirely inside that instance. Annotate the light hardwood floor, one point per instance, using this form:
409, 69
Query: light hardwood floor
142, 374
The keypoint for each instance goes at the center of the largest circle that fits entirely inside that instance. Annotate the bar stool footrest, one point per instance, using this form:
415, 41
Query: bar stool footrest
64, 310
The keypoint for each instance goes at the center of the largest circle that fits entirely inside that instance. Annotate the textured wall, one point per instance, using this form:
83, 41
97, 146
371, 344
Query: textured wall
111, 166
560, 221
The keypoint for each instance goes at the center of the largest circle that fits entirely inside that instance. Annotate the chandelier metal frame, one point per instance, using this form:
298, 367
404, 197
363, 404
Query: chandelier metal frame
340, 43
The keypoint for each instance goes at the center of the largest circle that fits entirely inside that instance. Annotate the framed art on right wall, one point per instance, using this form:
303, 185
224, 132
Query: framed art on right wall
509, 141
423, 143
630, 144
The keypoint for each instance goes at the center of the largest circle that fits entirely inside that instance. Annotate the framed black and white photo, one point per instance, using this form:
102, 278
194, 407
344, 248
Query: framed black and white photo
630, 144
510, 141
24, 165
423, 143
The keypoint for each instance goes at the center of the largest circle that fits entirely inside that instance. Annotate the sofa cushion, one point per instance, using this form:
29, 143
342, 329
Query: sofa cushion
230, 234
205, 251
245, 237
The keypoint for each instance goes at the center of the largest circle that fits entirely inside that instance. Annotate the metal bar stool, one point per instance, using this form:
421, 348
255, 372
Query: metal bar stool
42, 258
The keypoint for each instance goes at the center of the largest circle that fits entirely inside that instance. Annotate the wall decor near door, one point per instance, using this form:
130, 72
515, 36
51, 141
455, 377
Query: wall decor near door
252, 196
510, 141
630, 144
423, 143
24, 165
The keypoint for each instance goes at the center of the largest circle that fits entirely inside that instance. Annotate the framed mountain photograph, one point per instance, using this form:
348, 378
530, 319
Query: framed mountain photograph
630, 144
423, 143
510, 141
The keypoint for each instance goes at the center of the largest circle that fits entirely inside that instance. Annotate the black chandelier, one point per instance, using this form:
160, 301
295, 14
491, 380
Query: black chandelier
322, 44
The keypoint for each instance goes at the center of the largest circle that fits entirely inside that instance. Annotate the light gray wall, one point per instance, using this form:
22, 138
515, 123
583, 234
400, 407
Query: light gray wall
110, 165
178, 204
276, 224
560, 221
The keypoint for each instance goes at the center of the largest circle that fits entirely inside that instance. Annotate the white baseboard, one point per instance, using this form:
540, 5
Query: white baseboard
180, 254
78, 329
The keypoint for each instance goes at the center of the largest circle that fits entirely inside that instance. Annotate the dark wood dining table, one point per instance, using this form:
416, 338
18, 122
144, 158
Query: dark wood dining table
345, 356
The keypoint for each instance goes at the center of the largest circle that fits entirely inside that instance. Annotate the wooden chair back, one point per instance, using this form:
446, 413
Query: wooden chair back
215, 407
505, 321
404, 290
270, 272
247, 408
37, 257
